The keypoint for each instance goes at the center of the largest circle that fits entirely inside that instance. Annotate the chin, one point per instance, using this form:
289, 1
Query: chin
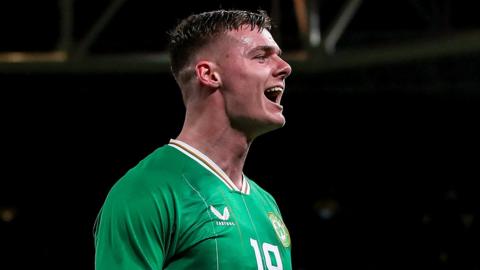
254, 127
270, 126
278, 121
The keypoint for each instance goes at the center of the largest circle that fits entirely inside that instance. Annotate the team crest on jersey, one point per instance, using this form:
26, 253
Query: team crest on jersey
222, 216
280, 229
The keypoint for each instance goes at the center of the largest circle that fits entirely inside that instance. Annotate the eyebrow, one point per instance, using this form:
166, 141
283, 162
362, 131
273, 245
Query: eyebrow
267, 48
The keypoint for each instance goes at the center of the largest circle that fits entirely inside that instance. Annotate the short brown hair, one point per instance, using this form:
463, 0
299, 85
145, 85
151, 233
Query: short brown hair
197, 30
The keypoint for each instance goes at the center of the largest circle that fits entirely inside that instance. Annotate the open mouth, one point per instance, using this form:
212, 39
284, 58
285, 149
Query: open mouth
274, 94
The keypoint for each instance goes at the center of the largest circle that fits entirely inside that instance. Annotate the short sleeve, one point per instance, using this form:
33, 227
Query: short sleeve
131, 231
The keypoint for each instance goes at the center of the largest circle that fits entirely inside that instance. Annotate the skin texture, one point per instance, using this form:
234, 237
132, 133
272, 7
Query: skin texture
226, 105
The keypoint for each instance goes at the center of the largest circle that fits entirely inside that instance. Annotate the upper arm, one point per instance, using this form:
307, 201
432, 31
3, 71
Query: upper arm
133, 231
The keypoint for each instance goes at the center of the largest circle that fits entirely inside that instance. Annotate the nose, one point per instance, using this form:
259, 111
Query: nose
284, 69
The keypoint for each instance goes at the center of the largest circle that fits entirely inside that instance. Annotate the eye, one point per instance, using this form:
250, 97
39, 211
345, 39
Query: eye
261, 57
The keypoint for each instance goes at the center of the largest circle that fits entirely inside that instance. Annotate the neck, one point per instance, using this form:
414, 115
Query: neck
210, 133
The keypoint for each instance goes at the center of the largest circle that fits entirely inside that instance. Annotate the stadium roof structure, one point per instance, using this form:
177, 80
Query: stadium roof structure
112, 36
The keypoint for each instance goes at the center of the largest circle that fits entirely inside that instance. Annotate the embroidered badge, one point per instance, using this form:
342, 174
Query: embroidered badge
280, 229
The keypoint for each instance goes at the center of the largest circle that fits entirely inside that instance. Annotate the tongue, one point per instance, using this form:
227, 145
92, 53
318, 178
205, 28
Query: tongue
272, 96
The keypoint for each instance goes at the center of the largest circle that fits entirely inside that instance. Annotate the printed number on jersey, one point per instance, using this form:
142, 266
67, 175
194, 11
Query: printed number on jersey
268, 251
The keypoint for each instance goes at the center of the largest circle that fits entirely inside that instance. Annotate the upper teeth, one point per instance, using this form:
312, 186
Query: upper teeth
279, 89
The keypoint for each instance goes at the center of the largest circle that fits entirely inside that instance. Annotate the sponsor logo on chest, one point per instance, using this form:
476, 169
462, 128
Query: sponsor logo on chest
223, 217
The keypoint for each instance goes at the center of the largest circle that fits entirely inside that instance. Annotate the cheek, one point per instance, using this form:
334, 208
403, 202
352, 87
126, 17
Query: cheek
244, 82
250, 77
235, 79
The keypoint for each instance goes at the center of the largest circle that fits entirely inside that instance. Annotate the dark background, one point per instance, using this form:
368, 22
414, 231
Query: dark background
376, 168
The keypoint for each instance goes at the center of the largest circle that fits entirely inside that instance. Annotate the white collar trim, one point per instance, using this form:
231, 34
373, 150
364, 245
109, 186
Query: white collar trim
210, 165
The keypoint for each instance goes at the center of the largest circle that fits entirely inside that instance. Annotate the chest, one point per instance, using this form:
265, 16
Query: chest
229, 230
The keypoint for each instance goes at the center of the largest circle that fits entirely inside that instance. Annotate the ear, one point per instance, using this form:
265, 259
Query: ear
207, 74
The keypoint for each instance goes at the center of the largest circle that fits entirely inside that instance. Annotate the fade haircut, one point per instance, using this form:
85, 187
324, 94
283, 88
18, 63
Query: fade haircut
197, 30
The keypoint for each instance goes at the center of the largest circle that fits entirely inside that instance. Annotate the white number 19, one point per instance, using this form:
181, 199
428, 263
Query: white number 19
267, 250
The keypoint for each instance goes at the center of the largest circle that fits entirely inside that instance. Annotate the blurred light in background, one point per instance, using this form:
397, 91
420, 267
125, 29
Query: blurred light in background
8, 214
326, 208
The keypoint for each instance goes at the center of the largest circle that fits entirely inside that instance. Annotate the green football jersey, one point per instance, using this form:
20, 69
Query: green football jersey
176, 209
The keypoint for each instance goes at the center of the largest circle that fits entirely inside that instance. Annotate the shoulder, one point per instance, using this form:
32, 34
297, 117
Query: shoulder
157, 175
147, 194
260, 191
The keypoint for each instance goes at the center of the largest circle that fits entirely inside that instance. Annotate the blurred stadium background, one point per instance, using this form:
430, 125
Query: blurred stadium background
377, 167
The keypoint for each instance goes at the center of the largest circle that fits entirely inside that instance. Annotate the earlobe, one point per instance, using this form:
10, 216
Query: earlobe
207, 75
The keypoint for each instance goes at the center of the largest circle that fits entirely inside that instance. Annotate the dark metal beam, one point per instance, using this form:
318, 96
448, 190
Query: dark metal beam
97, 28
65, 41
340, 24
458, 44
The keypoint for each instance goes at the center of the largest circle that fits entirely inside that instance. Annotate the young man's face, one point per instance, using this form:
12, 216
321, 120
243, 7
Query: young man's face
253, 80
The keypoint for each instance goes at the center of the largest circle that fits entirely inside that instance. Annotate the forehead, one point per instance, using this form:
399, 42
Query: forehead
250, 38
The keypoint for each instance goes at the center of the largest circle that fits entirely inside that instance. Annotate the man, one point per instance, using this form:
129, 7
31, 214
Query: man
188, 204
